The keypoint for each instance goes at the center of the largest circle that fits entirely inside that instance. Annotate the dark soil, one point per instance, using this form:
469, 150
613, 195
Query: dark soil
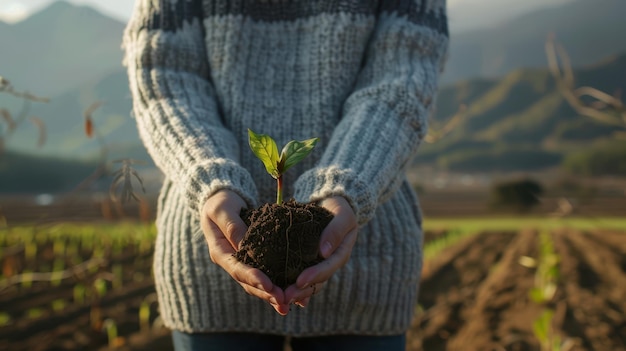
474, 294
283, 240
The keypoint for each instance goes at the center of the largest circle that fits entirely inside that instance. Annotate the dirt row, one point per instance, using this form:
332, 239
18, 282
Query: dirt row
80, 325
475, 294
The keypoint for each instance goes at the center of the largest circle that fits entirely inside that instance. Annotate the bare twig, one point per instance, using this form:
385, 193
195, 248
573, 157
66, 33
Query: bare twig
124, 176
7, 87
436, 135
13, 122
604, 108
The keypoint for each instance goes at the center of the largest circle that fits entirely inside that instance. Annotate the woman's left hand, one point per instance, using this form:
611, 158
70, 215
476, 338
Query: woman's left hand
336, 245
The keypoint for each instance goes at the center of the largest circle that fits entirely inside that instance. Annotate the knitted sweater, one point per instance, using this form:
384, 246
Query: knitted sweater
361, 75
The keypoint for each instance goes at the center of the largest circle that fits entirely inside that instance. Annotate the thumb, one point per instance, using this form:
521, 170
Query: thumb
343, 222
223, 209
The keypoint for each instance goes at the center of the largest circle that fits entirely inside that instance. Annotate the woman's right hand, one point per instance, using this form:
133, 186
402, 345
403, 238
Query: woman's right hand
223, 230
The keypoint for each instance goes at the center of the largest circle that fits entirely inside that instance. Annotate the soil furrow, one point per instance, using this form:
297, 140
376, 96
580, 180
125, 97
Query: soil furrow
589, 281
493, 320
31, 329
447, 290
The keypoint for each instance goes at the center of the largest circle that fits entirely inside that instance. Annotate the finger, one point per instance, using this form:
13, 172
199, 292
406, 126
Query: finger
252, 280
221, 253
293, 294
303, 303
224, 212
343, 222
283, 310
274, 298
322, 271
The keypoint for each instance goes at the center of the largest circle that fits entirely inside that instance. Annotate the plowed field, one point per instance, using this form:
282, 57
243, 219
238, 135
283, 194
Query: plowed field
474, 293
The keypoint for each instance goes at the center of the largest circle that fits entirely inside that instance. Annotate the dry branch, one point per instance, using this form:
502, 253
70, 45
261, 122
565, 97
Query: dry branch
436, 135
7, 87
604, 108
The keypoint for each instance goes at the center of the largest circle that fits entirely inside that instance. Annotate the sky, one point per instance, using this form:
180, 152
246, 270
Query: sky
463, 14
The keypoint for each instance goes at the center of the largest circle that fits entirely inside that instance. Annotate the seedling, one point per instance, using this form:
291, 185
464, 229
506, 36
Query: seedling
118, 276
547, 274
111, 329
34, 313
144, 311
100, 286
548, 339
58, 305
5, 319
264, 147
79, 292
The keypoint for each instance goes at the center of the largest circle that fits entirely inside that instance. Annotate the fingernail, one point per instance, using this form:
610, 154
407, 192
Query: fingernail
300, 304
273, 301
326, 249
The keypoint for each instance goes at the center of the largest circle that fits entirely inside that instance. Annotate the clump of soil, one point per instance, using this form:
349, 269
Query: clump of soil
283, 240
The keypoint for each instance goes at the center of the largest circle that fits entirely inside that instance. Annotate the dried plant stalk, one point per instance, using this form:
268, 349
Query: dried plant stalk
124, 176
436, 135
604, 108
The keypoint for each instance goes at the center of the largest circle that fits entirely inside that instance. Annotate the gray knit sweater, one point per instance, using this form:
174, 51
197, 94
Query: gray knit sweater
361, 75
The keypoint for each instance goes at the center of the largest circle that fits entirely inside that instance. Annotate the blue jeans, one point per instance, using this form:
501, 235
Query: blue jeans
263, 342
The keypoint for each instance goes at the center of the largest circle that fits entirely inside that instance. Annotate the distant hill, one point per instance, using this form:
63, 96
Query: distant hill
59, 48
519, 122
63, 117
590, 30
72, 55
21, 173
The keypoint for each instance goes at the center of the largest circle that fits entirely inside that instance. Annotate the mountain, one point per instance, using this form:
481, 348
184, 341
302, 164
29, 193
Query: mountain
72, 55
465, 15
64, 121
519, 122
589, 30
59, 48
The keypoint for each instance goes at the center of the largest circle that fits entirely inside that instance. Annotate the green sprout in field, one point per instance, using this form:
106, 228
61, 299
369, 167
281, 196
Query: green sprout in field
544, 290
264, 147
111, 329
547, 274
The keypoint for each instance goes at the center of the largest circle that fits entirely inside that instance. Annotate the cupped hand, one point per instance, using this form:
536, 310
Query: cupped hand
336, 245
223, 230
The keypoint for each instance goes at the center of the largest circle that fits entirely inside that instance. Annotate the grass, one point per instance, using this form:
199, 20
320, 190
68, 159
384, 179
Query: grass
472, 225
460, 228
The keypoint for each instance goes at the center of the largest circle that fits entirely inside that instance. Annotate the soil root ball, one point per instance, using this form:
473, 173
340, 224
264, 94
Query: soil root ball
283, 240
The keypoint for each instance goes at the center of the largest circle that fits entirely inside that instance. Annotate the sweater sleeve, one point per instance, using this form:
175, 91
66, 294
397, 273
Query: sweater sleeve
175, 104
385, 117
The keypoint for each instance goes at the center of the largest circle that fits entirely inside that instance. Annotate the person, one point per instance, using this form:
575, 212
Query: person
360, 75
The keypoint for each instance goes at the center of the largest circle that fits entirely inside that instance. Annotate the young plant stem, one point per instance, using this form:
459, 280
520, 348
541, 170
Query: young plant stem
279, 190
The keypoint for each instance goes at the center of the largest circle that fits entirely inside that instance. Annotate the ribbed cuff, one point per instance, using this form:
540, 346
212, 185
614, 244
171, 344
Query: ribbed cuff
320, 183
206, 178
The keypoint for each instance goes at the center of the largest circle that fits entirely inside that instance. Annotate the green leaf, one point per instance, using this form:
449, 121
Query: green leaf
295, 151
264, 147
541, 326
536, 294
